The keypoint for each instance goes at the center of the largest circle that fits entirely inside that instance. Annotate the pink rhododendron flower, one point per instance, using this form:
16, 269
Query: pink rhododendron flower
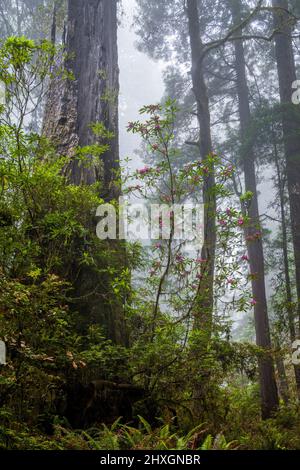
153, 107
245, 258
228, 171
241, 221
144, 171
253, 302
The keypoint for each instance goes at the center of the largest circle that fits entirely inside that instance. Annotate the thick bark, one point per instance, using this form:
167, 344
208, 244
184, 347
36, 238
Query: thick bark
290, 123
204, 309
268, 389
72, 106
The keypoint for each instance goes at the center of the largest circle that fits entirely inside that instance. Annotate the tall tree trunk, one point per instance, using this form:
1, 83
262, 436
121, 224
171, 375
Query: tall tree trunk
288, 286
204, 304
92, 96
73, 105
290, 123
268, 389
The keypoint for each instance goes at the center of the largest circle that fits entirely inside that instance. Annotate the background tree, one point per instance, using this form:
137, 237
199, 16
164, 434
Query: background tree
254, 242
284, 22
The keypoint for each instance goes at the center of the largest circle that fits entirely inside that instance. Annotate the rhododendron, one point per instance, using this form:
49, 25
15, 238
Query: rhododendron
228, 171
144, 171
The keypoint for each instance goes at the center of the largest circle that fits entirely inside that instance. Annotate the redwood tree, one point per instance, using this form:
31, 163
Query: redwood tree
89, 96
204, 307
268, 389
283, 24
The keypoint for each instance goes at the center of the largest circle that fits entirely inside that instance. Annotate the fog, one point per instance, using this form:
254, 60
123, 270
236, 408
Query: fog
141, 81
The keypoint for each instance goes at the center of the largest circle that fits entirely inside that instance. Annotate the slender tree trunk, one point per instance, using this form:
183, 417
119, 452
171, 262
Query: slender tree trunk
204, 309
73, 105
268, 389
54, 20
290, 123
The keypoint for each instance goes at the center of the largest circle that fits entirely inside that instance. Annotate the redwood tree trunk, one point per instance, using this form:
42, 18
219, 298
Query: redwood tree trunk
73, 105
204, 305
286, 263
290, 123
268, 389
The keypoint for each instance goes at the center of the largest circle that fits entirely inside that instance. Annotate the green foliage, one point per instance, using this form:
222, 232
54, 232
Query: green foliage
46, 224
47, 234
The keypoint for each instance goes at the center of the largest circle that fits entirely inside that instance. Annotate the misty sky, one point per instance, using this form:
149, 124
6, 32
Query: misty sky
140, 80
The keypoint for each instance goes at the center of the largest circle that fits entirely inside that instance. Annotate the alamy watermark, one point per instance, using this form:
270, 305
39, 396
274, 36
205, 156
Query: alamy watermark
2, 93
145, 222
296, 93
296, 352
